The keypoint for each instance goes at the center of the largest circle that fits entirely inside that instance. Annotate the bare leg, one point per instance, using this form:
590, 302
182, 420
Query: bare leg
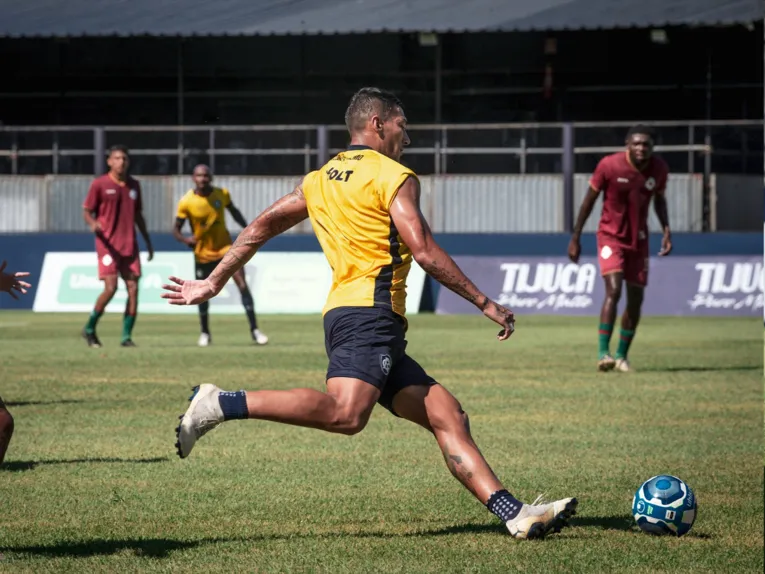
630, 320
132, 301
110, 288
131, 309
435, 409
613, 283
631, 315
89, 332
345, 407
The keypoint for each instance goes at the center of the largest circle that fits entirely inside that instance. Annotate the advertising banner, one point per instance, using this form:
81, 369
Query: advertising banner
677, 285
281, 282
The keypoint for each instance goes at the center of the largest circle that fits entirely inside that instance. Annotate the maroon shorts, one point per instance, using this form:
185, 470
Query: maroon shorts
112, 263
613, 258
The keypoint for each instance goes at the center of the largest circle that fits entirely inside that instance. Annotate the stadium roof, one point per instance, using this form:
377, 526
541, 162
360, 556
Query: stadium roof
68, 18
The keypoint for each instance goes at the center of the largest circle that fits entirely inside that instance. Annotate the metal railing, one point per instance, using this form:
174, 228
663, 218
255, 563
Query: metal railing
309, 146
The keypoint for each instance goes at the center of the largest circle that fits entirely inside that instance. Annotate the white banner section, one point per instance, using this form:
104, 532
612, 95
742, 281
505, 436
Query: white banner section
281, 283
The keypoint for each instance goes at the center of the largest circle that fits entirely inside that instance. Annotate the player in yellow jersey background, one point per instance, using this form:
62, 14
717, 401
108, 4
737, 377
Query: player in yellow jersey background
365, 209
203, 207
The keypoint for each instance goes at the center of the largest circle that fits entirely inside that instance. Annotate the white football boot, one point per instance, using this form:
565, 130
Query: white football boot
203, 415
536, 520
607, 363
623, 365
204, 340
259, 337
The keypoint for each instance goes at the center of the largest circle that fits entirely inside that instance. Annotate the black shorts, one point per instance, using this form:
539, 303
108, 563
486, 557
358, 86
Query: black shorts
368, 343
203, 270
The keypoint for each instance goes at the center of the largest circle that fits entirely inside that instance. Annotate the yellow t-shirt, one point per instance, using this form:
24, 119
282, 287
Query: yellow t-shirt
349, 203
208, 222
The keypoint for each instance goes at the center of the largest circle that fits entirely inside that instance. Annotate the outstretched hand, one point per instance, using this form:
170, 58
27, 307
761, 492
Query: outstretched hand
188, 292
501, 316
10, 282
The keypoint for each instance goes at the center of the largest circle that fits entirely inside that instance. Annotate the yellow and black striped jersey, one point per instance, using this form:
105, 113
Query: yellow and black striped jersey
349, 202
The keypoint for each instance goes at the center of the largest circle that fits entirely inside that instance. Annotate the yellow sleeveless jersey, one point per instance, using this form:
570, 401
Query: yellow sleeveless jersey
208, 223
349, 203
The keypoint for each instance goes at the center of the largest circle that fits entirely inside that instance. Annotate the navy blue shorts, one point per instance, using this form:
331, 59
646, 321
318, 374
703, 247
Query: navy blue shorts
204, 270
369, 343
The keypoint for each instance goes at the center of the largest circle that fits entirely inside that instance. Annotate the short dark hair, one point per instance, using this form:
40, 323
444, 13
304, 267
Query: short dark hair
366, 102
118, 147
641, 129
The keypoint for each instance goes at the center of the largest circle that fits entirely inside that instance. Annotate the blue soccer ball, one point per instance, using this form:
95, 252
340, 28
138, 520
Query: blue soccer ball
664, 504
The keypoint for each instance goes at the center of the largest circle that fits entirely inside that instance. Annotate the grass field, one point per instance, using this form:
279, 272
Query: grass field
91, 482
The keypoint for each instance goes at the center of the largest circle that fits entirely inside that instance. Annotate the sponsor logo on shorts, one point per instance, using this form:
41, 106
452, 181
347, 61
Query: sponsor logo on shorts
606, 252
107, 260
133, 194
385, 364
650, 183
200, 273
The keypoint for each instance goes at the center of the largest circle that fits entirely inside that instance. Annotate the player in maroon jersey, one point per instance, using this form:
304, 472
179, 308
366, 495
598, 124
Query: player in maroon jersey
629, 181
112, 210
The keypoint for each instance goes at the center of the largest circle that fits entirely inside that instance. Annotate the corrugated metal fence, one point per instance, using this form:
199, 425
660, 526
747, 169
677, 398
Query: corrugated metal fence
451, 203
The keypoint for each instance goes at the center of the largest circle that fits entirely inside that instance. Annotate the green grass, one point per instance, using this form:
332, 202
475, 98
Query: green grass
91, 482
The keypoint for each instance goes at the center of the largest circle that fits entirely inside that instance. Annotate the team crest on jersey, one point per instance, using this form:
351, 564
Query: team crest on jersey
217, 204
606, 252
133, 194
650, 183
385, 364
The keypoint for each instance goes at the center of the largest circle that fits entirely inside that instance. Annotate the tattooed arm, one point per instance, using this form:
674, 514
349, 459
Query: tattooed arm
416, 234
284, 214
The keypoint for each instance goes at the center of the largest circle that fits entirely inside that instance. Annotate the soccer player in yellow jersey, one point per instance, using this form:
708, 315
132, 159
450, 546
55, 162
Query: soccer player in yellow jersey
365, 209
203, 208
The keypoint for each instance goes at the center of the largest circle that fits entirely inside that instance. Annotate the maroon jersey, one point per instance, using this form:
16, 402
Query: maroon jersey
627, 194
115, 205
